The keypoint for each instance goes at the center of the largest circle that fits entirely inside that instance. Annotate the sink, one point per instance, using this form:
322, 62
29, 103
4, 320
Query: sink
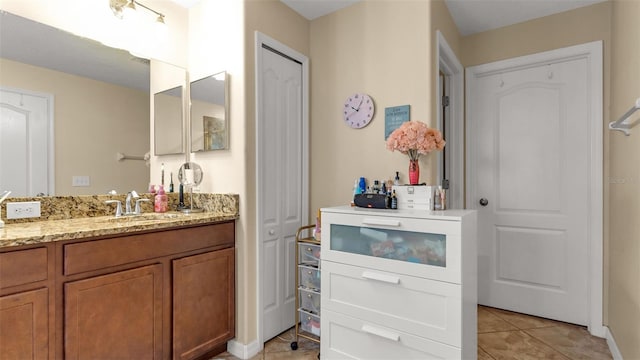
144, 217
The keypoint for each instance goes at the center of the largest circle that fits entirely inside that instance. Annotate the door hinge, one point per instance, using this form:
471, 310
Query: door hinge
445, 101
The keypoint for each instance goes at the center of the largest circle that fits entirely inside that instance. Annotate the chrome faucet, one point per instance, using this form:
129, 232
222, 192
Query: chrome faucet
127, 203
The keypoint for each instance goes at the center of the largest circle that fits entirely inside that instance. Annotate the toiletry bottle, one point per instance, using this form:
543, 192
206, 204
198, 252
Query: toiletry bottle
356, 188
162, 174
383, 189
171, 184
396, 180
376, 186
363, 185
443, 199
437, 204
161, 201
394, 200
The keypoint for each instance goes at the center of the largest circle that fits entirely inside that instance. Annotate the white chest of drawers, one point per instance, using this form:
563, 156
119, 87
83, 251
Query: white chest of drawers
398, 284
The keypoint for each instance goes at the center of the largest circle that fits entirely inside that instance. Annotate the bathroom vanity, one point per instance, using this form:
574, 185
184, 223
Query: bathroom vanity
398, 284
98, 288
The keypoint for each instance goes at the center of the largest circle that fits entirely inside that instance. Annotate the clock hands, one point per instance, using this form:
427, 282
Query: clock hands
359, 104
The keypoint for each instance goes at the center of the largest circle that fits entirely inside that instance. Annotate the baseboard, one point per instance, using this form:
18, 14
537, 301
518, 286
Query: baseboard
243, 351
613, 347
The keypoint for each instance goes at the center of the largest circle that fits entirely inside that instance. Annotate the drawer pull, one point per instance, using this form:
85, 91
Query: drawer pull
381, 222
381, 277
380, 332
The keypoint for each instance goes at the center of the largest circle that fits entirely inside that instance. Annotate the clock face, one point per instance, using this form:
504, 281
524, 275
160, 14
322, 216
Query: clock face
358, 110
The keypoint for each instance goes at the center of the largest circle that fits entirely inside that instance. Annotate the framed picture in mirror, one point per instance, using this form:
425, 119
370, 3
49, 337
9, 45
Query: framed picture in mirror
215, 133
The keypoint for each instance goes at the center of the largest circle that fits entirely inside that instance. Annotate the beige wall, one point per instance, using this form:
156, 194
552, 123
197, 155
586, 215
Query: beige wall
624, 182
93, 121
384, 49
579, 26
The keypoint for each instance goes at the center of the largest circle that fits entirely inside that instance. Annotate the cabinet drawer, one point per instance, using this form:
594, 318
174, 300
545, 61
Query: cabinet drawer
411, 304
309, 300
309, 277
309, 322
23, 267
309, 254
418, 247
100, 254
349, 337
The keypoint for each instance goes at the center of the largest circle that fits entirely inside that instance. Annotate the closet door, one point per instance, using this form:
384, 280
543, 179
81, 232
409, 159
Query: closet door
280, 166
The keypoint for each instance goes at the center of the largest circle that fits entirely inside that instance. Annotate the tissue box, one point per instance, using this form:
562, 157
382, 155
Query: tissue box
414, 196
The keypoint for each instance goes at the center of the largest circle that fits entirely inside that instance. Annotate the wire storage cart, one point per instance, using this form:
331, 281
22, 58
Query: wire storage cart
308, 286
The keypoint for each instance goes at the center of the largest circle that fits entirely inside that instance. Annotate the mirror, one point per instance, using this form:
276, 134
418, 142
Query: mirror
100, 109
167, 110
209, 113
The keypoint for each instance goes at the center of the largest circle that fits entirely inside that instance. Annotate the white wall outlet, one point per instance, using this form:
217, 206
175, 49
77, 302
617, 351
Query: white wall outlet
22, 210
80, 181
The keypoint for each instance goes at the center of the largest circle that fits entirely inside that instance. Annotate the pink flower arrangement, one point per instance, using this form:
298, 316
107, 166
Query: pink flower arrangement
414, 138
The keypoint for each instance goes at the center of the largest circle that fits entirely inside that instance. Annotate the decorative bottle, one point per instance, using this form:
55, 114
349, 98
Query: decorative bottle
161, 201
394, 200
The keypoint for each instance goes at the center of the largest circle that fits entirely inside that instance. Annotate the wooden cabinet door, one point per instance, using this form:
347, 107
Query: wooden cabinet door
24, 325
203, 302
115, 316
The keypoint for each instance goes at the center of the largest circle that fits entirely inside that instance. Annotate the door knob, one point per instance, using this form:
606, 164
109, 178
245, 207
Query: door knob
271, 232
484, 202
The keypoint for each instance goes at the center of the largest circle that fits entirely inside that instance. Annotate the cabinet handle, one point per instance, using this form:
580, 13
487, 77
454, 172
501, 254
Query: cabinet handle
380, 332
394, 223
381, 277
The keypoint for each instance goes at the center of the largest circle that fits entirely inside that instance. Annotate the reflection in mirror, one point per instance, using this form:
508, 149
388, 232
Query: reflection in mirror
209, 117
100, 107
167, 113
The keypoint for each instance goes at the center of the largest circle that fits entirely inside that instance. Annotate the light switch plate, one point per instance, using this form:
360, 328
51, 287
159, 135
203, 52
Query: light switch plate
23, 210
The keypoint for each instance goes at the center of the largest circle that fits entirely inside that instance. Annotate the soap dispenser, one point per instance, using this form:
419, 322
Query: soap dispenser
161, 203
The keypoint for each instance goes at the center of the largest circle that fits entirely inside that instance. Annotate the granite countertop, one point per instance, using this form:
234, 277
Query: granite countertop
29, 233
85, 216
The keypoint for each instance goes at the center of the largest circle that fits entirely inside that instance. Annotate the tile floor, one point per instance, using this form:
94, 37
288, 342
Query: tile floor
501, 335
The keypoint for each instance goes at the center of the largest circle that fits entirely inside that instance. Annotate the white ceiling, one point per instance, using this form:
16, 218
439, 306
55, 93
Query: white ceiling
470, 16
312, 9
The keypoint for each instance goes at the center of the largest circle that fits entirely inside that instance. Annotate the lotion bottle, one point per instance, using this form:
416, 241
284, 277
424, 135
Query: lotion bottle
161, 202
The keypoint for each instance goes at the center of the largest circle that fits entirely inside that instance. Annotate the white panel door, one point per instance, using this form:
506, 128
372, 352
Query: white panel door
280, 189
24, 143
530, 176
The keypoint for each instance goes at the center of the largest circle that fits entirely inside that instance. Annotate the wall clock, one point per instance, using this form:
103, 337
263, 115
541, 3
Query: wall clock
358, 110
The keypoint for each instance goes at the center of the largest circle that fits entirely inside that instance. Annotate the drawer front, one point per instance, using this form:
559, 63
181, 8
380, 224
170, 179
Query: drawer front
415, 305
349, 337
418, 247
309, 254
23, 267
309, 277
100, 254
309, 300
309, 322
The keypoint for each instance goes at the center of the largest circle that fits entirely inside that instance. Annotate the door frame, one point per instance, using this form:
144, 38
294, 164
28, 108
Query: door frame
593, 53
449, 64
261, 39
51, 178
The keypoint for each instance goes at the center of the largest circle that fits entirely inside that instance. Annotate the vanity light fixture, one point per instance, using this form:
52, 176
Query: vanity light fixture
126, 8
